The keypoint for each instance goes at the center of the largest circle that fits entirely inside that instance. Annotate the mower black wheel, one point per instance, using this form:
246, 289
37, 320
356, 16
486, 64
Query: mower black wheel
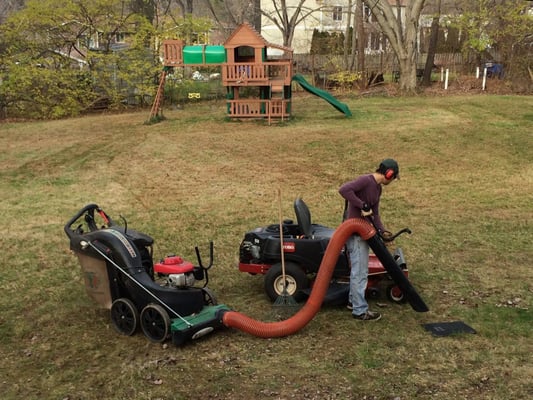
209, 297
295, 280
124, 316
395, 294
155, 323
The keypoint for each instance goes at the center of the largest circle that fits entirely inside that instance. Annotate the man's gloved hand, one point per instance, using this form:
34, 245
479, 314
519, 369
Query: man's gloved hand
366, 211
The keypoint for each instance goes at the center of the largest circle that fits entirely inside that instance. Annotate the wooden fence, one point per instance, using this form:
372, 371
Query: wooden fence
374, 63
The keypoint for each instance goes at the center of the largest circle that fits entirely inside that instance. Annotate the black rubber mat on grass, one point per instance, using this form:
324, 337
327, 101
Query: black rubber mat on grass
448, 328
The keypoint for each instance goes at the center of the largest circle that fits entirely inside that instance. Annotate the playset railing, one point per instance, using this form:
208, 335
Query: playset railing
259, 74
173, 52
256, 108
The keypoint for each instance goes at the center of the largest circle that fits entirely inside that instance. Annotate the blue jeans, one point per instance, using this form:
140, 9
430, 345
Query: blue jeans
358, 252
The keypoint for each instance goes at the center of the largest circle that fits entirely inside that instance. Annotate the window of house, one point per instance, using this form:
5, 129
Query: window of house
93, 41
337, 13
120, 37
375, 40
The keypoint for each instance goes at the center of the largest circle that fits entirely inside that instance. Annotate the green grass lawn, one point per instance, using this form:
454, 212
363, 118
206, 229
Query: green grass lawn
466, 192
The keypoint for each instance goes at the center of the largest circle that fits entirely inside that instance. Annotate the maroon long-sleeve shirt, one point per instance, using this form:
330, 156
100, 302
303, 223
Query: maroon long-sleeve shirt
363, 190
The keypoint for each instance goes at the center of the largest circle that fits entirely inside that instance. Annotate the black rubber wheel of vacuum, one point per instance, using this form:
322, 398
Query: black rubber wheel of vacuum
155, 323
124, 316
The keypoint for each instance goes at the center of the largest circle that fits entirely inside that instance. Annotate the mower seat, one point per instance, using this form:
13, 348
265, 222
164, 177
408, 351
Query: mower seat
310, 230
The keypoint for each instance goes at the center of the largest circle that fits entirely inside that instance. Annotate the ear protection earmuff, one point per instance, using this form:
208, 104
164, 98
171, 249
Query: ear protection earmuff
389, 174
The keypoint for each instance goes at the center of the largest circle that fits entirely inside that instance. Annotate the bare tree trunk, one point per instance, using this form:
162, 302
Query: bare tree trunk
407, 80
402, 36
361, 35
430, 60
353, 50
347, 36
399, 15
257, 15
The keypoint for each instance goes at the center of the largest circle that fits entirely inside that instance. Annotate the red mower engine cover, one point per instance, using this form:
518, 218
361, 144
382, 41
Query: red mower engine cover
173, 265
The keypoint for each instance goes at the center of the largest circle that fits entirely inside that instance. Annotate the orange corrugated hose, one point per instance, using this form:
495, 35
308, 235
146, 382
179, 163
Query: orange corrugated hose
233, 319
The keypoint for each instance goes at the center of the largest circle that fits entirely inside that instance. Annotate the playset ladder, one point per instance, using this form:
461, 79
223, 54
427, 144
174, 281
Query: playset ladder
277, 103
277, 86
156, 107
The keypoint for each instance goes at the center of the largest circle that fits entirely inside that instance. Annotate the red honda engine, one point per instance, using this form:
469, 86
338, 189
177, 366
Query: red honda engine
176, 271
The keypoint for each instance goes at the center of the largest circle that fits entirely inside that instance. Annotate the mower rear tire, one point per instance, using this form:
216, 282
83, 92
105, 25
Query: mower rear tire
295, 280
155, 323
125, 316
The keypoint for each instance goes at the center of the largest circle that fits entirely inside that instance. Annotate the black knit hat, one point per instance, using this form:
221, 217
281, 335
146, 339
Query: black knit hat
387, 164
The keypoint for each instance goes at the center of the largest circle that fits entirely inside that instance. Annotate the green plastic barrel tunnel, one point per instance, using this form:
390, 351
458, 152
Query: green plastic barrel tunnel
204, 54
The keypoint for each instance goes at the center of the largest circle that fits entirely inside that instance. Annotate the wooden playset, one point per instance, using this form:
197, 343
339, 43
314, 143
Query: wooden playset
245, 63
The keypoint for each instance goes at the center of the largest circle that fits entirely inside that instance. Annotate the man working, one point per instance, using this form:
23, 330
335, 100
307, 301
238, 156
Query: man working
362, 196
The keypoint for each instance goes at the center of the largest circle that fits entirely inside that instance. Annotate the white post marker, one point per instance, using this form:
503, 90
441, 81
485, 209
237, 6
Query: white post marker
477, 72
442, 74
446, 81
484, 78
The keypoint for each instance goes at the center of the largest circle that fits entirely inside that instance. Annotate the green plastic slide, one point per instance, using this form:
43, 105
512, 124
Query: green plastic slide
343, 108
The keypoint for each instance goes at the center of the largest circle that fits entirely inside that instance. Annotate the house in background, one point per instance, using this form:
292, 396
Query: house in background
324, 16
334, 16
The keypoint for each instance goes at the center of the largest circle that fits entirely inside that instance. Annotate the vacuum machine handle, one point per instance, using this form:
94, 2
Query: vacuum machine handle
210, 257
88, 209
